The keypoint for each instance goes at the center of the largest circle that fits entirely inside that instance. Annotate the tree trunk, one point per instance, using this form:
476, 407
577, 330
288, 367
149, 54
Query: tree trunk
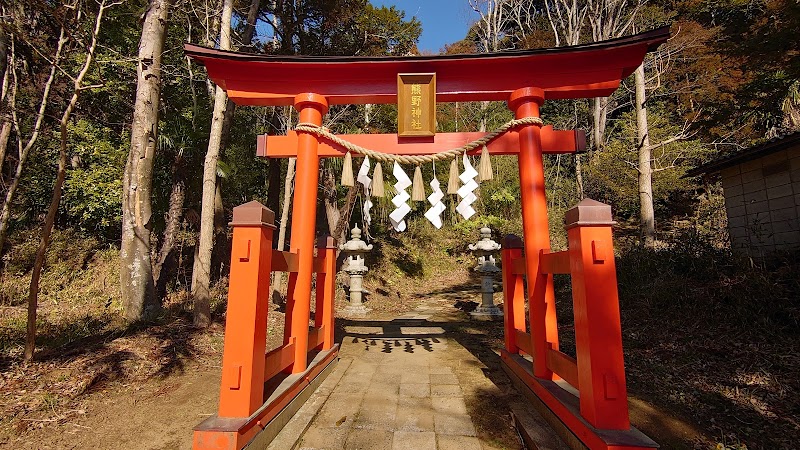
218, 259
177, 198
277, 283
599, 116
330, 200
5, 120
201, 286
136, 272
3, 47
5, 212
219, 254
337, 218
345, 213
5, 133
646, 210
33, 293
274, 180
247, 38
274, 171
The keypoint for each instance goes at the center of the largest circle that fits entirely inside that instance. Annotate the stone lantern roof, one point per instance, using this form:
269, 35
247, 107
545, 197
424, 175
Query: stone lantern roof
355, 244
486, 245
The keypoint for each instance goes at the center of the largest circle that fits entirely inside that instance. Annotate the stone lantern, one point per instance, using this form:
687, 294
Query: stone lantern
485, 249
355, 249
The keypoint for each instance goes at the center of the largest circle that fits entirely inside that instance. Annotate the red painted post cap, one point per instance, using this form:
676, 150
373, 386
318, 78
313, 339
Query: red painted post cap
588, 213
309, 99
529, 94
253, 213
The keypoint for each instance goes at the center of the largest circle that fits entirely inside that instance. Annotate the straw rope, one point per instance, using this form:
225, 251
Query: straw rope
417, 159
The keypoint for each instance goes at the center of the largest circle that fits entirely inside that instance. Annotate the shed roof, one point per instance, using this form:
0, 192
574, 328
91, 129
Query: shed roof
731, 159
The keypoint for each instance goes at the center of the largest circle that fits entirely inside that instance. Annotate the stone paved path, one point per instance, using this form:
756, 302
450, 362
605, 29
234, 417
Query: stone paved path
404, 385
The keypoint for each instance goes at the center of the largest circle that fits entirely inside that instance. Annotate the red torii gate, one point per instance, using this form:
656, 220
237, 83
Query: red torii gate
593, 406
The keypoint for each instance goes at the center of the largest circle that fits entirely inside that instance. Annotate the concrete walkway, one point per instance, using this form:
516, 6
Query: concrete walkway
405, 384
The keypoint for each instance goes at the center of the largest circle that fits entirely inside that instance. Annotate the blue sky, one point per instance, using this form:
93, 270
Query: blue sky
443, 21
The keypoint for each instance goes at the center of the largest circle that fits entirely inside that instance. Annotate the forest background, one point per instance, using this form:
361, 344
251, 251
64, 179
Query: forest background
119, 145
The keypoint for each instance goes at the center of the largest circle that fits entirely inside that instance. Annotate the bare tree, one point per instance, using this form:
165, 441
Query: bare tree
567, 19
77, 88
136, 273
493, 22
212, 212
24, 148
646, 211
658, 63
277, 283
5, 119
608, 19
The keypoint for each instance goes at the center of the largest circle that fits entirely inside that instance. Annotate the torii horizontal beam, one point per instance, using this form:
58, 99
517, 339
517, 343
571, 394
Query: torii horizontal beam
581, 71
553, 141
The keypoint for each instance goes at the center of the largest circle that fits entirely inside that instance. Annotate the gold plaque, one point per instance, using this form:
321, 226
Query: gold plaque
416, 104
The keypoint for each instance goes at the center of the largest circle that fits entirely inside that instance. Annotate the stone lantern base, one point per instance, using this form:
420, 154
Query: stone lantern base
487, 313
355, 309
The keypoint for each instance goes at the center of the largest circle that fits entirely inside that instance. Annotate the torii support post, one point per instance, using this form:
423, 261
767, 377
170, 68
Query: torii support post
311, 108
541, 299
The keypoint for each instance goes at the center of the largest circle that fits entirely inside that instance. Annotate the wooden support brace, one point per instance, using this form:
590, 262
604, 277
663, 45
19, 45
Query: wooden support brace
284, 261
564, 366
555, 263
279, 359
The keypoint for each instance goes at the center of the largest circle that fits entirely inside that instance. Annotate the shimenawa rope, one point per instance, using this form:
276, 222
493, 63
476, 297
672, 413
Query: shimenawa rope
416, 159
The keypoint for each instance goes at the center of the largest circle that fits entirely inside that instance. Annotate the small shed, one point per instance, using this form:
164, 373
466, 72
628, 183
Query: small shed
761, 186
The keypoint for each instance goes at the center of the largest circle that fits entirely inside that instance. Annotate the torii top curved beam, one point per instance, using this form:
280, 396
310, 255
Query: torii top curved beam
581, 71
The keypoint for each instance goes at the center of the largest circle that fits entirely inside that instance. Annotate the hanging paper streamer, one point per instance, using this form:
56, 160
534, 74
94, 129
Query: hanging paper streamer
366, 181
466, 190
437, 207
399, 200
